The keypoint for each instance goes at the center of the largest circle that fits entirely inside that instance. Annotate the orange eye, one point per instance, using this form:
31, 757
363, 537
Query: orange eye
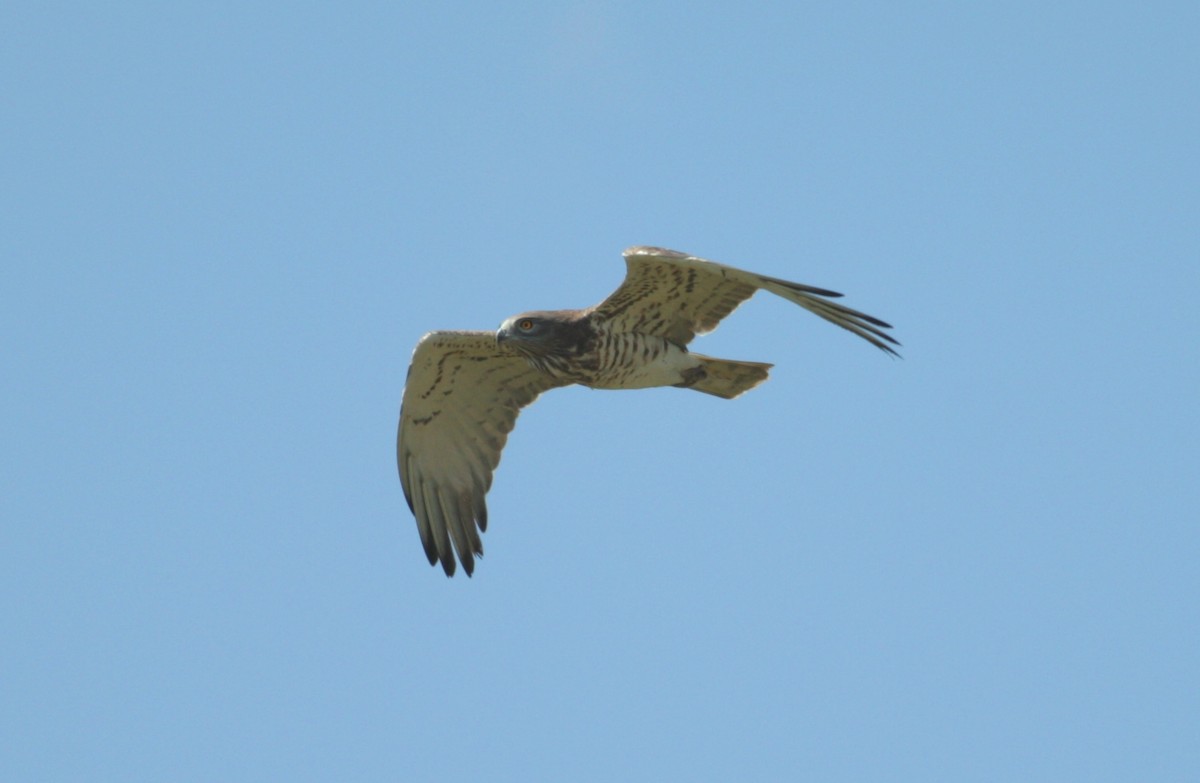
526, 324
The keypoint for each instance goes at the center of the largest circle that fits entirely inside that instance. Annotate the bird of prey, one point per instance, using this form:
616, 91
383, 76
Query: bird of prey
465, 389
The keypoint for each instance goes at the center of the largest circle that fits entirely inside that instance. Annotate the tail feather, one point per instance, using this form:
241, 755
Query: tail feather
725, 378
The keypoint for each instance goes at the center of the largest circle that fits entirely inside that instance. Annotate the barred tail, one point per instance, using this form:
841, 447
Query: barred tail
725, 378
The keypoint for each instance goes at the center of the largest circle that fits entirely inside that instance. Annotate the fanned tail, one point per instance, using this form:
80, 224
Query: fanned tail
725, 378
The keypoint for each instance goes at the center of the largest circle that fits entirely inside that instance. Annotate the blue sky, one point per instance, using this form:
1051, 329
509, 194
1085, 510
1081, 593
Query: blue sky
225, 226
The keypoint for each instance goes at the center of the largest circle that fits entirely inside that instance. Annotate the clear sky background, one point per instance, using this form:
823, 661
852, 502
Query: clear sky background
224, 226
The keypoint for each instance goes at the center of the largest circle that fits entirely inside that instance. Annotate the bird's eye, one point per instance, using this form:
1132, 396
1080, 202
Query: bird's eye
525, 324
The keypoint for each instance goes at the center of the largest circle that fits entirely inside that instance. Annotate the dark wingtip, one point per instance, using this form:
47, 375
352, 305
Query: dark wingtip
800, 288
888, 348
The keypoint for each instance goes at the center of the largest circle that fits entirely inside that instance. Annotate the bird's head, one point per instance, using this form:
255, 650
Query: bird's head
529, 333
541, 333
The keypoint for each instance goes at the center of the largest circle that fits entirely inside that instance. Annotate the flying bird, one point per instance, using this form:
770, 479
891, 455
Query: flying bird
465, 389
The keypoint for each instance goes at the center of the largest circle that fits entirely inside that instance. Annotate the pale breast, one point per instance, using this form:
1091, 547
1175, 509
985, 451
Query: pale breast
638, 361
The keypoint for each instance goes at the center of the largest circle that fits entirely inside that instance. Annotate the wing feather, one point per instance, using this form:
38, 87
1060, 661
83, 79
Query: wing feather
677, 296
461, 399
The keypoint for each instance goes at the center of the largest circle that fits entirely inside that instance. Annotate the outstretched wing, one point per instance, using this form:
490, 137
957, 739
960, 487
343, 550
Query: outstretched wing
677, 296
461, 400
